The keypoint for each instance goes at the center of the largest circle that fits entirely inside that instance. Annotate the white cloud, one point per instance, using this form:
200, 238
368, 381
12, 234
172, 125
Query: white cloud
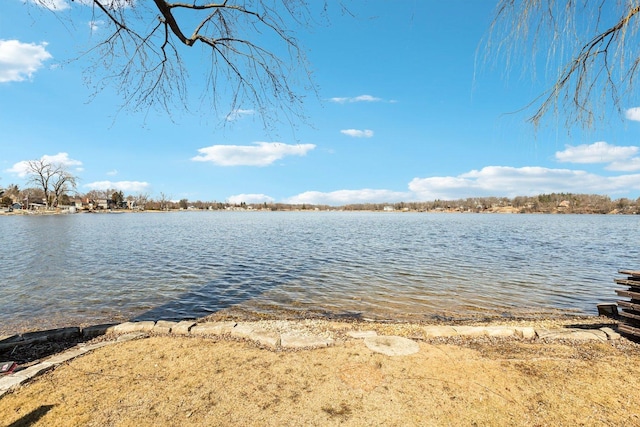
112, 172
260, 154
356, 133
498, 181
505, 181
366, 98
344, 197
598, 152
250, 198
490, 181
21, 169
238, 114
62, 159
633, 114
128, 186
628, 165
361, 98
19, 61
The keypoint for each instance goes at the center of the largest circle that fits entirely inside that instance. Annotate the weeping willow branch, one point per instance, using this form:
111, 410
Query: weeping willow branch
592, 45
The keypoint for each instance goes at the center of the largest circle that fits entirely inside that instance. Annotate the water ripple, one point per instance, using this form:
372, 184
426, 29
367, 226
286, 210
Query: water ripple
92, 268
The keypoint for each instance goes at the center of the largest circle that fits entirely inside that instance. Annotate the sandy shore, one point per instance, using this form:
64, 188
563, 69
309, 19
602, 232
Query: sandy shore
221, 380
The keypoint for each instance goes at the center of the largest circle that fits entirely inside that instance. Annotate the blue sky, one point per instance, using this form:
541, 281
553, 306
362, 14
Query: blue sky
407, 110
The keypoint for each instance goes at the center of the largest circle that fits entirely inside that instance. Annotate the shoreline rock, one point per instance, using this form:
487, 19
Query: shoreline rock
283, 335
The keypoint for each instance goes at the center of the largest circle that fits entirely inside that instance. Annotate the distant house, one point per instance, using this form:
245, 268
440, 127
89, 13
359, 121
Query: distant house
388, 208
102, 204
109, 204
76, 203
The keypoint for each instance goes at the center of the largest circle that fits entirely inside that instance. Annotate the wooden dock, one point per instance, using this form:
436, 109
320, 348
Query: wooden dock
630, 309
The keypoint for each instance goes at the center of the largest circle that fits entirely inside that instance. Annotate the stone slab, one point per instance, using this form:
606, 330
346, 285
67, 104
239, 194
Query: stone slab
183, 327
611, 334
300, 340
127, 327
589, 334
525, 332
439, 331
131, 336
392, 345
572, 334
96, 330
266, 338
550, 333
9, 381
500, 331
242, 330
471, 331
67, 355
212, 328
254, 333
163, 326
94, 346
17, 378
35, 370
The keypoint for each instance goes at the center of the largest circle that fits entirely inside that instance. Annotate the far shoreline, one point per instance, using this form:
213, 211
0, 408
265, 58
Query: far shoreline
501, 210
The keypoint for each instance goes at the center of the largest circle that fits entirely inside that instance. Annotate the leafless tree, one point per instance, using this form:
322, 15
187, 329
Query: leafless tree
61, 183
52, 178
42, 172
95, 195
593, 45
252, 63
141, 200
164, 201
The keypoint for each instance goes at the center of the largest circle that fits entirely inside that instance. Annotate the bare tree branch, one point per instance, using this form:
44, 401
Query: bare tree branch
41, 172
256, 62
52, 178
591, 41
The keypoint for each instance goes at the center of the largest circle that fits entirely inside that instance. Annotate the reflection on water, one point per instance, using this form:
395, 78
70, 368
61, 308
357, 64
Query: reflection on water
93, 268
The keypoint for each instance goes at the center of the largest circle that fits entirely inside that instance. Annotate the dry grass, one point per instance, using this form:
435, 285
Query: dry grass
196, 381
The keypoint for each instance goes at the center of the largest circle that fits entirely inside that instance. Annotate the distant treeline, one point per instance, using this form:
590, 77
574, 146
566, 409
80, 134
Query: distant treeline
543, 203
33, 198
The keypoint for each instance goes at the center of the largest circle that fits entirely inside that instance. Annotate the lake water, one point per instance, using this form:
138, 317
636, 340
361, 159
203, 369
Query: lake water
93, 268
